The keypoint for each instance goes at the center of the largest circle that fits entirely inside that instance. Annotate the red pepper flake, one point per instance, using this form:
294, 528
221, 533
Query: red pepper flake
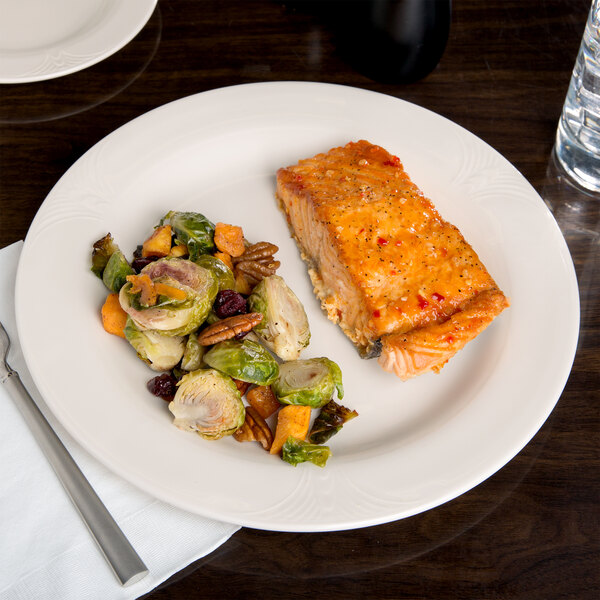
298, 178
392, 272
361, 230
422, 302
399, 243
393, 162
437, 297
444, 251
376, 313
382, 241
450, 338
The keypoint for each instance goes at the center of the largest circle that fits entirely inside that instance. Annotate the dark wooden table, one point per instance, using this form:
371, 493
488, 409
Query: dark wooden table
531, 530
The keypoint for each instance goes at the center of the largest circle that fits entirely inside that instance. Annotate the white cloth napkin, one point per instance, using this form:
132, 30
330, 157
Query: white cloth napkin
45, 549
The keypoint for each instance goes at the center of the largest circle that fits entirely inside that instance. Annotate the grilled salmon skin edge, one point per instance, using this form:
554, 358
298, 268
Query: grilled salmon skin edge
420, 339
430, 348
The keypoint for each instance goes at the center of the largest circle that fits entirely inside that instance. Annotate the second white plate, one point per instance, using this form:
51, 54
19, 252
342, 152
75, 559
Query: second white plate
42, 39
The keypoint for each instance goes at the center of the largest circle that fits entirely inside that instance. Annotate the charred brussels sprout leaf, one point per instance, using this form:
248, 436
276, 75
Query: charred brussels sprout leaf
284, 328
309, 382
207, 403
109, 263
161, 352
169, 316
219, 269
296, 451
102, 250
192, 229
116, 271
330, 420
247, 361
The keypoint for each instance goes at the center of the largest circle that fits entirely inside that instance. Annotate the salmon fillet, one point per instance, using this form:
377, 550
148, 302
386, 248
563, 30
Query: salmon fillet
401, 282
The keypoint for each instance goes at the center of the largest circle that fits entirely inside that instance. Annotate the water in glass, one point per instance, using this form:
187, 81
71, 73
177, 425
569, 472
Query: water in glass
578, 136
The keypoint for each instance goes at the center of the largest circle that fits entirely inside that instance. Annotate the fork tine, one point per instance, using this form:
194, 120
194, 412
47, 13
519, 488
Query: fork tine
5, 368
4, 341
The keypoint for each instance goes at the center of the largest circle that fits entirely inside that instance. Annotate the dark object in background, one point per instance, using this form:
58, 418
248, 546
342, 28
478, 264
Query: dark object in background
391, 41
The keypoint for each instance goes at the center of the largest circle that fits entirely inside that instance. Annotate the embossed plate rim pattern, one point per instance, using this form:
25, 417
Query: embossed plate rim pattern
109, 27
415, 445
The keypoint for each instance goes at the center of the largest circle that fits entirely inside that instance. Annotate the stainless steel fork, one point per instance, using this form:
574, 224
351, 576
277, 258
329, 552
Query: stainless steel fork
118, 552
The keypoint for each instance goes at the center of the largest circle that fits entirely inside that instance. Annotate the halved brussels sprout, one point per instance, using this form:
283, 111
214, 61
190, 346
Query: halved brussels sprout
330, 420
116, 271
295, 451
309, 382
193, 354
192, 229
161, 352
168, 315
110, 264
247, 361
284, 328
102, 250
207, 403
219, 269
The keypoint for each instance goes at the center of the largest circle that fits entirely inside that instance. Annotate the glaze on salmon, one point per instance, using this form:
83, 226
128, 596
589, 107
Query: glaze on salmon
402, 283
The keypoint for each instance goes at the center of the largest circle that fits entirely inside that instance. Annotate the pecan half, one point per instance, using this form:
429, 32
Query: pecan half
228, 328
244, 433
254, 265
257, 251
258, 270
255, 428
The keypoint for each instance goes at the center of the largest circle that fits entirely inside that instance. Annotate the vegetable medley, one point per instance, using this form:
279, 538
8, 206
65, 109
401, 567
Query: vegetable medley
204, 307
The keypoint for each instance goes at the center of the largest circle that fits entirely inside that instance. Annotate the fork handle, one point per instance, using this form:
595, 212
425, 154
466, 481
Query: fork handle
119, 553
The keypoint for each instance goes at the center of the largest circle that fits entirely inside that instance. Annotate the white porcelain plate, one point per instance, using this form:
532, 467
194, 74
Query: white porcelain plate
43, 39
415, 445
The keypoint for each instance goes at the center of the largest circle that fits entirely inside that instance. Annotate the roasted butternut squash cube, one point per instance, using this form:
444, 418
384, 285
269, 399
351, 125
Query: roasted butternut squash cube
159, 243
263, 400
229, 239
292, 420
114, 318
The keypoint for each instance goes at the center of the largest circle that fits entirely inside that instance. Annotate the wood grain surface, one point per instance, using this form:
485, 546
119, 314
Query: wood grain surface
529, 532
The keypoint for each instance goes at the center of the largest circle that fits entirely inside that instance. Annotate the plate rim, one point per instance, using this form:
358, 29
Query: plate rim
137, 13
349, 523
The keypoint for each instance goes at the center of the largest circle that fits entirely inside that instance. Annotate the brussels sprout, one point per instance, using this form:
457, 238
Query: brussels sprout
330, 420
116, 271
308, 382
161, 352
102, 250
173, 317
193, 354
211, 317
284, 328
246, 361
208, 403
192, 229
219, 269
296, 451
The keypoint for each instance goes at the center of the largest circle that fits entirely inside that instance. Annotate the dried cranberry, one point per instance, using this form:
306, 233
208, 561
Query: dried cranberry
164, 386
229, 303
139, 263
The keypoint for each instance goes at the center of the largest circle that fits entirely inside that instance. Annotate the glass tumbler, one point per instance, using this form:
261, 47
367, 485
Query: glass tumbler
578, 136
